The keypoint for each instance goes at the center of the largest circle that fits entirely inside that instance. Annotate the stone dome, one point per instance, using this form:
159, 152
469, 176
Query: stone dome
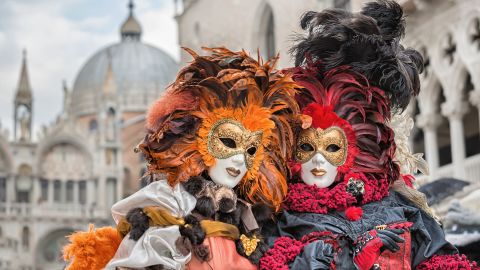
140, 74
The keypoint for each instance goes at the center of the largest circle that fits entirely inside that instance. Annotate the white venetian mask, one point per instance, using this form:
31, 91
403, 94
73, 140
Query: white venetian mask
318, 171
229, 171
321, 152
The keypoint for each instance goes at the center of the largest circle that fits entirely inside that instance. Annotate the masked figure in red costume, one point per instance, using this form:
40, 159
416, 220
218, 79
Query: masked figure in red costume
349, 206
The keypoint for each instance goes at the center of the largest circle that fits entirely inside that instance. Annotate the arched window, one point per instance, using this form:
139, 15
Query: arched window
343, 4
57, 191
110, 124
69, 195
25, 237
111, 191
267, 34
43, 190
93, 125
82, 192
3, 189
443, 136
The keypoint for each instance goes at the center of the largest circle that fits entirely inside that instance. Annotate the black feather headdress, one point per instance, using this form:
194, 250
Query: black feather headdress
368, 42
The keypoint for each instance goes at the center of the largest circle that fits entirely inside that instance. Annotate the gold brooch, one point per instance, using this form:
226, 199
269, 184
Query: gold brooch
249, 244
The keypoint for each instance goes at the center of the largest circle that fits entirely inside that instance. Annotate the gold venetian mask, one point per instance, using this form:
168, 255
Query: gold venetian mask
331, 143
228, 137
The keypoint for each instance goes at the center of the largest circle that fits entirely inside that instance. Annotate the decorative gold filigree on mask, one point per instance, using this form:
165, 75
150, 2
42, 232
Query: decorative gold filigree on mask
331, 143
228, 138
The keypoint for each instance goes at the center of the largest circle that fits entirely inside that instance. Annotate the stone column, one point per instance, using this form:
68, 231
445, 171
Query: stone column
63, 191
36, 192
76, 184
455, 112
11, 190
91, 193
50, 191
474, 99
429, 124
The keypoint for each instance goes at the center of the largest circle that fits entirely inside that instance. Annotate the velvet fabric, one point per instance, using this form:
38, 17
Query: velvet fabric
427, 236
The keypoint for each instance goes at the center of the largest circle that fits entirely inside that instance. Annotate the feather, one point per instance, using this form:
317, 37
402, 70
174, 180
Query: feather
368, 42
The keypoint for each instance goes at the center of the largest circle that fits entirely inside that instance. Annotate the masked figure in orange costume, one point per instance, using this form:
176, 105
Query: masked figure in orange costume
220, 136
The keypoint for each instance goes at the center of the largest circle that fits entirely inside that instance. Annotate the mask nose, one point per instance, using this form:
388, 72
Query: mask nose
238, 160
318, 159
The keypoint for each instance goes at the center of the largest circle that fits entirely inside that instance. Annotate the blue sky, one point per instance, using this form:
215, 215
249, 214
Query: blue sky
60, 35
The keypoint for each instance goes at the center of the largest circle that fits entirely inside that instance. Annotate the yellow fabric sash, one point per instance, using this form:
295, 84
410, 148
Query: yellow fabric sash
161, 217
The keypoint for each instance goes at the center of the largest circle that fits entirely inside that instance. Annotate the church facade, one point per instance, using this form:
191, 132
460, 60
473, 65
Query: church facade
78, 167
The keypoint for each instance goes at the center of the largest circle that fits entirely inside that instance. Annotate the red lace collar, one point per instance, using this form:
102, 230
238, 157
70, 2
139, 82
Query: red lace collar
304, 198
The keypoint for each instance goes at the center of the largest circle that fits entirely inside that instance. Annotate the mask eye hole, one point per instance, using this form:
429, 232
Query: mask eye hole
252, 150
332, 148
307, 147
230, 143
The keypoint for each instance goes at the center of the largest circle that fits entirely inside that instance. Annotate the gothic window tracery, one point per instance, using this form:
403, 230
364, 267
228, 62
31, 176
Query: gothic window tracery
26, 237
474, 32
449, 48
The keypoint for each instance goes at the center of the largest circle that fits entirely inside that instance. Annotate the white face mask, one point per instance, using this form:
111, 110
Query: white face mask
318, 171
229, 171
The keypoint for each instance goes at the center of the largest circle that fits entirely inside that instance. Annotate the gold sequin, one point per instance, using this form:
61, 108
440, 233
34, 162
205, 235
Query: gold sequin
312, 141
249, 244
244, 141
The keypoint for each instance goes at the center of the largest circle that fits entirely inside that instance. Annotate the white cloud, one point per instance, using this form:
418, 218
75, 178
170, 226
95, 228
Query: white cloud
58, 46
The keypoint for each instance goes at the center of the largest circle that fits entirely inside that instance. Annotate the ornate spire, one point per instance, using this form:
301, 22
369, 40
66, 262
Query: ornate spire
24, 92
23, 105
131, 29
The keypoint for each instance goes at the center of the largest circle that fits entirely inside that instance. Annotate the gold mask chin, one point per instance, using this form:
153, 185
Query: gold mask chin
331, 143
228, 138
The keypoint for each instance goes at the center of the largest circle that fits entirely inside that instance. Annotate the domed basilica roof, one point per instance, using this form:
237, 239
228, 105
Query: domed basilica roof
140, 72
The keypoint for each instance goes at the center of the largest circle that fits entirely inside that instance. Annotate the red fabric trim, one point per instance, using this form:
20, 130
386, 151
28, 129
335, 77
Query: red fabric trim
367, 257
448, 262
285, 250
354, 213
408, 179
304, 198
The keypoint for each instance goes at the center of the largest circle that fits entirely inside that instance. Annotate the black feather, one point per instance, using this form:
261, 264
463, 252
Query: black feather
139, 223
194, 185
262, 213
205, 206
368, 42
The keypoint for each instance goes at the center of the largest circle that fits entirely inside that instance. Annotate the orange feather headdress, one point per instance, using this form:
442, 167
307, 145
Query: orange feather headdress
224, 85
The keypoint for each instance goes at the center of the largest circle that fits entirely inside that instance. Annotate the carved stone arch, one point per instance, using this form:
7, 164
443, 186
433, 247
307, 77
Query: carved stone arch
72, 145
429, 95
456, 82
470, 34
470, 50
49, 247
441, 63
